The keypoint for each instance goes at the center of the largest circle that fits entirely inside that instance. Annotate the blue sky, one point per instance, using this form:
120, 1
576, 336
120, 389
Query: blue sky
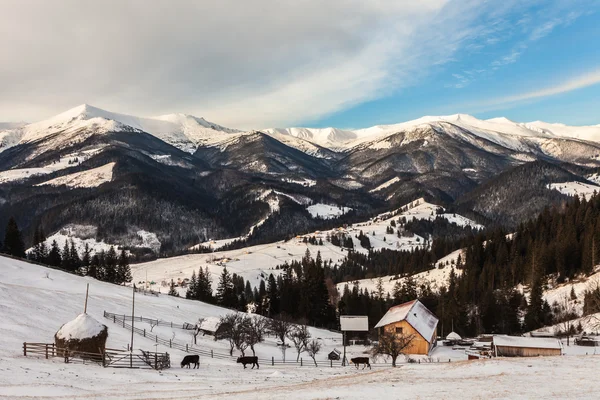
538, 50
266, 63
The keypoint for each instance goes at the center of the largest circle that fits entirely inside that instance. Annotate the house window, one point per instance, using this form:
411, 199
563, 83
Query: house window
398, 330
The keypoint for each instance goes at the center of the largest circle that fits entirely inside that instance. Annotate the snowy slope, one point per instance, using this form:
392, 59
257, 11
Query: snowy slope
85, 179
180, 130
575, 188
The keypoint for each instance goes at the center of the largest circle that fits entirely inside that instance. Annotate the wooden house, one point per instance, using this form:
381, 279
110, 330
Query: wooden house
411, 318
516, 346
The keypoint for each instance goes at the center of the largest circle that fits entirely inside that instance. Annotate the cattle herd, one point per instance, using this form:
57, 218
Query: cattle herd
195, 360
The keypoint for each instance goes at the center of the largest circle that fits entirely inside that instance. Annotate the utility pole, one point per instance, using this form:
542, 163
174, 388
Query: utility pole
87, 290
132, 314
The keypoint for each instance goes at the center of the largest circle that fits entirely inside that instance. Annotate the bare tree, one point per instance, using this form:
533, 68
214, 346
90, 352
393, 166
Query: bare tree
255, 331
235, 332
281, 326
313, 347
300, 337
392, 345
565, 314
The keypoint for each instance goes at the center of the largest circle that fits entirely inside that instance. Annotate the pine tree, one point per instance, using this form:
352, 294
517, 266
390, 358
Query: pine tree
225, 290
65, 257
204, 286
272, 296
123, 269
86, 259
110, 265
13, 240
54, 258
192, 289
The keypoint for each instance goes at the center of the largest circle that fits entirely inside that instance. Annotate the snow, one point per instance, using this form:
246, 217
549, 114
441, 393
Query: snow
453, 336
518, 341
82, 327
67, 161
385, 184
35, 301
180, 130
80, 235
575, 188
326, 211
149, 240
85, 179
302, 182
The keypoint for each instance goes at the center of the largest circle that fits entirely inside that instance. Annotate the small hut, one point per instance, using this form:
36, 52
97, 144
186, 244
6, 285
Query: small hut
514, 346
334, 355
452, 339
213, 326
83, 335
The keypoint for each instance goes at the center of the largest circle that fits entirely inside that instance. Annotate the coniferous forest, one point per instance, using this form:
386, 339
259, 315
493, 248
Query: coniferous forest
481, 295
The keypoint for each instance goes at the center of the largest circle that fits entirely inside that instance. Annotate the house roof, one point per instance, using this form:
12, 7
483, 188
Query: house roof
528, 342
210, 324
416, 314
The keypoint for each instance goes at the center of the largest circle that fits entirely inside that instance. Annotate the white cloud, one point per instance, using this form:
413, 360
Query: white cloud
242, 64
578, 82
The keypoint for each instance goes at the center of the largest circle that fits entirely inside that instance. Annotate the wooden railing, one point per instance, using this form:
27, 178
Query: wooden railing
108, 358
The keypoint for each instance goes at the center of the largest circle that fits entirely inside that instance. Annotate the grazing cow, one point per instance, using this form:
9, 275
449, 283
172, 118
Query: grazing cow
248, 360
361, 360
187, 360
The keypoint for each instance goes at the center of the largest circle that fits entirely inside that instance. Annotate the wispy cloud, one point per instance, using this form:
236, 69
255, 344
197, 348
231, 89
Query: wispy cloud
578, 82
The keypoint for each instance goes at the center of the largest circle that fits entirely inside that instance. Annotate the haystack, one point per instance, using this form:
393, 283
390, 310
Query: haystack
82, 335
453, 336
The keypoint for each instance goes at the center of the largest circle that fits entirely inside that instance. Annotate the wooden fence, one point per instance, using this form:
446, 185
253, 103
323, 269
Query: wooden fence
189, 348
156, 322
108, 358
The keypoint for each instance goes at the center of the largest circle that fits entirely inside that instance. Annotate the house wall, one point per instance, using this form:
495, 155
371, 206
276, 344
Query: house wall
508, 351
418, 346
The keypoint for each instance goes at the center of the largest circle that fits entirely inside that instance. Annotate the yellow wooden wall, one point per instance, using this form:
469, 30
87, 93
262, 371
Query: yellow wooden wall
419, 344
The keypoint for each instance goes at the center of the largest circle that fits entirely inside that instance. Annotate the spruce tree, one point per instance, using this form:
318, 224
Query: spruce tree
272, 296
192, 288
13, 240
123, 270
54, 258
172, 290
110, 265
225, 290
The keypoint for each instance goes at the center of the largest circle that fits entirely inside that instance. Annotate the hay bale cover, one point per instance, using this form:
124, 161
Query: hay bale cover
82, 335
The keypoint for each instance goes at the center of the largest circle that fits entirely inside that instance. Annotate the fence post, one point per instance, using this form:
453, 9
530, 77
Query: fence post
272, 360
300, 361
211, 354
171, 324
46, 351
114, 319
131, 360
170, 344
144, 332
156, 337
186, 348
123, 322
104, 358
155, 361
25, 349
331, 363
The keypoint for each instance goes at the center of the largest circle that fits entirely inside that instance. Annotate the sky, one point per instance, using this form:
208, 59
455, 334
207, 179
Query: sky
266, 63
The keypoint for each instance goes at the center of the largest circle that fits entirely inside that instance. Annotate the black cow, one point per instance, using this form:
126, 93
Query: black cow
248, 360
361, 360
187, 360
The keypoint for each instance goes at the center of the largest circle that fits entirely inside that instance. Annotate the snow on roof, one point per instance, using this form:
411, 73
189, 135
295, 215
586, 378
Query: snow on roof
82, 327
453, 336
416, 314
210, 324
535, 343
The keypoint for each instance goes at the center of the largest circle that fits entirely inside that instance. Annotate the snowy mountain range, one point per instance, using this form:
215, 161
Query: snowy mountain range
186, 179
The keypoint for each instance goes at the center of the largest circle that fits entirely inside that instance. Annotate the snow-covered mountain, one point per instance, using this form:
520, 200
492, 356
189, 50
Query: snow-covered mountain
185, 168
180, 130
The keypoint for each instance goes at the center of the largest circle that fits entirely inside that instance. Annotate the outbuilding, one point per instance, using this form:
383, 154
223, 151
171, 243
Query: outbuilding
411, 318
212, 326
516, 346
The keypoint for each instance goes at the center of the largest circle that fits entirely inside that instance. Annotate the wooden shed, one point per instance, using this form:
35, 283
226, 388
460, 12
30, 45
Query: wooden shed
212, 326
408, 319
516, 346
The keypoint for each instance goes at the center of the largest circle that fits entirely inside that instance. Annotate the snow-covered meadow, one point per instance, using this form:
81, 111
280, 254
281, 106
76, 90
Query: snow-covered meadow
35, 302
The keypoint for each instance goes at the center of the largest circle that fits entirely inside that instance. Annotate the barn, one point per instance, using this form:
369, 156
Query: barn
514, 346
212, 326
411, 318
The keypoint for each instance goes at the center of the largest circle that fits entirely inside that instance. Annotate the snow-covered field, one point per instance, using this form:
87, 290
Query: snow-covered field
326, 211
35, 302
575, 188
